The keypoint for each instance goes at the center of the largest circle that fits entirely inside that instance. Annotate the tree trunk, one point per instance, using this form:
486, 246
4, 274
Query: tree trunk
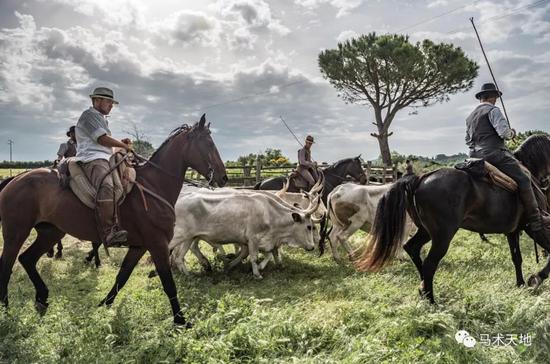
384, 149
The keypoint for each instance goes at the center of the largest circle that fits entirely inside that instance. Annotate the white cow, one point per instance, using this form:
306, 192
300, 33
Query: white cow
255, 221
352, 207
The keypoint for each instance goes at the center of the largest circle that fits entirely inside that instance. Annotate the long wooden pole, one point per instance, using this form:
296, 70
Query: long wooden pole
491, 71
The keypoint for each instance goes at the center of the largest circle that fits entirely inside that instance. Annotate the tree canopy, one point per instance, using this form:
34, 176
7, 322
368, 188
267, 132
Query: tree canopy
389, 73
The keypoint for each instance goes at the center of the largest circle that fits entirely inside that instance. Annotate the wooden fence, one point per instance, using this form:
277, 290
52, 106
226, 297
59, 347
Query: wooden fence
248, 176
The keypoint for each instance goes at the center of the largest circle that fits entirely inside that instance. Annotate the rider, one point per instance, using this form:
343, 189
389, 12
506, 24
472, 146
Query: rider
94, 149
486, 130
67, 149
306, 167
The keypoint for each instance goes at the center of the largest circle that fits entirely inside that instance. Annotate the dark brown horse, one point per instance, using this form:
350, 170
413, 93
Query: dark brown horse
35, 200
443, 201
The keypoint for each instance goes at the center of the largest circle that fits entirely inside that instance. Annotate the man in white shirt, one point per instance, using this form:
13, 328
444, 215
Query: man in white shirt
94, 149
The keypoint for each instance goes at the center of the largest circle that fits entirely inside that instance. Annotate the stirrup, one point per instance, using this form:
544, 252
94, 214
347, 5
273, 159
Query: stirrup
116, 237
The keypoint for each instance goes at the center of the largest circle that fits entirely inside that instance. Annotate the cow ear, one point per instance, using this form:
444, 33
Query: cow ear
202, 121
296, 217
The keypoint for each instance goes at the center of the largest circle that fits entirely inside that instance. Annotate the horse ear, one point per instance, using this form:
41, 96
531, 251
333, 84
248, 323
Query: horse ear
358, 157
202, 121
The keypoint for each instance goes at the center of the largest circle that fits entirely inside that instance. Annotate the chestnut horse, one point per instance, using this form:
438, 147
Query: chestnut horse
443, 201
36, 200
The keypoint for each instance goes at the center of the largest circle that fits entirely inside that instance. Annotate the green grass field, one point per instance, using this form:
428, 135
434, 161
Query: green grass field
5, 172
311, 311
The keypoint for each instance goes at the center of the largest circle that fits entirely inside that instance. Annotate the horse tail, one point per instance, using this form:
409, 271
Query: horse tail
388, 227
5, 182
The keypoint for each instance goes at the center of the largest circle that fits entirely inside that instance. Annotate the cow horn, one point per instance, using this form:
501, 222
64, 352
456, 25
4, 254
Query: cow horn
313, 205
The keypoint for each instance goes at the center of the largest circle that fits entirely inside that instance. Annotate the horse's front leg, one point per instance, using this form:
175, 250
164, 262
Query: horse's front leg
128, 264
161, 257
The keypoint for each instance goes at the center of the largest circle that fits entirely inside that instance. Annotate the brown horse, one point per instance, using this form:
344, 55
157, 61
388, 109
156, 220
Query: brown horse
35, 200
443, 201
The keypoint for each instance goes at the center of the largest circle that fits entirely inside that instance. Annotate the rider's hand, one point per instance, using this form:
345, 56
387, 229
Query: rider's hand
129, 145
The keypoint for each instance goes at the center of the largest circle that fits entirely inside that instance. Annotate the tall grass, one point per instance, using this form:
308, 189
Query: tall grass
311, 311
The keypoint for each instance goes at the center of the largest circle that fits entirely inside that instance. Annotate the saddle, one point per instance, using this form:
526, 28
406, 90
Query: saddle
481, 169
72, 176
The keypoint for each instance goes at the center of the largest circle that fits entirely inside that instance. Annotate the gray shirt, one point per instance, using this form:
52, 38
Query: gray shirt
498, 121
90, 126
304, 158
66, 150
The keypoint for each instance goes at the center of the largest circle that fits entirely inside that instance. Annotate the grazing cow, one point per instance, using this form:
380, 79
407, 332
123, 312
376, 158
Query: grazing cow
255, 221
352, 207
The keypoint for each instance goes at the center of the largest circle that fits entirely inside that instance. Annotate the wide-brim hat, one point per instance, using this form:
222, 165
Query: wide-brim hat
309, 138
71, 130
487, 89
103, 93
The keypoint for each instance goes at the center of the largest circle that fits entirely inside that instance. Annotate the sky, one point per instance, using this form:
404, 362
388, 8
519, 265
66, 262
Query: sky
246, 63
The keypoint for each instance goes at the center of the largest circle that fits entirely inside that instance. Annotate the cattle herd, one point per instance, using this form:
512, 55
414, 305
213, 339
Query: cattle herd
256, 221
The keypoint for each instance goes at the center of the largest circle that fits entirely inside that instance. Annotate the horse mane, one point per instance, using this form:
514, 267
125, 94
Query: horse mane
534, 152
185, 128
340, 163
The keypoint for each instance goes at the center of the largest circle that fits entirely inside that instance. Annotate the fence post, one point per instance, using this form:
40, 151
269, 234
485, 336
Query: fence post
258, 169
246, 174
369, 164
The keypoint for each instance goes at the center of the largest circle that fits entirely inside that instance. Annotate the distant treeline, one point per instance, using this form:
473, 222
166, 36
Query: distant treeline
25, 164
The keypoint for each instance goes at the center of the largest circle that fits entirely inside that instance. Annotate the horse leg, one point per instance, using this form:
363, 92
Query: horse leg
130, 260
535, 280
202, 259
94, 254
12, 245
440, 245
243, 253
59, 253
161, 258
413, 247
46, 238
513, 243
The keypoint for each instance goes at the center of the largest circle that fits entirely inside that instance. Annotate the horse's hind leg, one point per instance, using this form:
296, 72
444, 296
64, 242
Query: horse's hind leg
513, 243
12, 244
59, 253
47, 236
413, 247
440, 245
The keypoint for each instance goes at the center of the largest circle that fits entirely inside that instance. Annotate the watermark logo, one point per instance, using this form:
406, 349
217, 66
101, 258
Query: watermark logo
464, 338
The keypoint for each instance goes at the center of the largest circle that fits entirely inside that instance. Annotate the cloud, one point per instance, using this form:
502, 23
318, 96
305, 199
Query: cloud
189, 28
344, 6
255, 15
437, 3
345, 35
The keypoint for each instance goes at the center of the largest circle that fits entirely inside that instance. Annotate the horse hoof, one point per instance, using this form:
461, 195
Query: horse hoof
49, 254
534, 281
152, 274
41, 307
58, 256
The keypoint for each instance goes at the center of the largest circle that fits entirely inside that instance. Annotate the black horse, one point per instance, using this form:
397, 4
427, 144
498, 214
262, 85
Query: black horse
333, 176
443, 201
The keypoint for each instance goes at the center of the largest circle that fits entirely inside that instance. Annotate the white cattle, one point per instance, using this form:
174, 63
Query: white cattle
352, 207
255, 221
